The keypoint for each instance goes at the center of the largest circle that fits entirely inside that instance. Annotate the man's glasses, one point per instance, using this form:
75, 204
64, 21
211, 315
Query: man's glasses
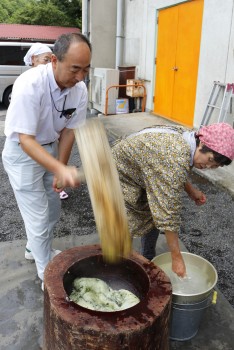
46, 60
67, 113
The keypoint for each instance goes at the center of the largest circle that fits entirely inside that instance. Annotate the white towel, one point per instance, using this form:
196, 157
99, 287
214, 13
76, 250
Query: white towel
35, 49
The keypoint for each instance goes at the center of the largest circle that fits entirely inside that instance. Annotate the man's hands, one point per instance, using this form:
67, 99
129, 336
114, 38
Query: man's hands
68, 176
64, 176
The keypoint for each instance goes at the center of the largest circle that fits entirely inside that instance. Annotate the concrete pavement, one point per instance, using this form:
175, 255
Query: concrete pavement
21, 302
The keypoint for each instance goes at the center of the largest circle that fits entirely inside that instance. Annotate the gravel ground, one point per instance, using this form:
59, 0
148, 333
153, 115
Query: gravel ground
206, 230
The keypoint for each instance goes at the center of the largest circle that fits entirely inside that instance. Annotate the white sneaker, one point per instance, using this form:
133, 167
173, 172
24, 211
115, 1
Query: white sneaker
28, 254
54, 252
42, 286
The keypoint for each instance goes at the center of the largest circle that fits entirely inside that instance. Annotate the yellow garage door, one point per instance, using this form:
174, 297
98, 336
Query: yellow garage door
178, 48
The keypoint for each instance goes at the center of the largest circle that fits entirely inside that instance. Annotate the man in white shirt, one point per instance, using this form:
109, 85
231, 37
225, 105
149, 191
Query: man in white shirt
47, 103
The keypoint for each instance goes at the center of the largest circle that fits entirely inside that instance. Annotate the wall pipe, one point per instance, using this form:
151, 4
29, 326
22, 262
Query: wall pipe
119, 33
85, 28
85, 16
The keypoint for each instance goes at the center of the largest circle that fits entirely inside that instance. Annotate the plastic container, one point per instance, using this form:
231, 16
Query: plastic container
122, 106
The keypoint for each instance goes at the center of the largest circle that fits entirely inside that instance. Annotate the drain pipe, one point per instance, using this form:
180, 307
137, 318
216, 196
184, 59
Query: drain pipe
119, 33
85, 15
85, 28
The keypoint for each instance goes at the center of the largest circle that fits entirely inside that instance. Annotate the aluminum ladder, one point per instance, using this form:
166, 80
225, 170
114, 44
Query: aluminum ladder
219, 89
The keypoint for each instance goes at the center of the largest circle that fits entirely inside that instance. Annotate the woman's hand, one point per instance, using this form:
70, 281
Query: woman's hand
196, 195
178, 265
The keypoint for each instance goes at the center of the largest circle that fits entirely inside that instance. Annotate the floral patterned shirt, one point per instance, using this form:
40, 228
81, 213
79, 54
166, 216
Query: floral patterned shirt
153, 169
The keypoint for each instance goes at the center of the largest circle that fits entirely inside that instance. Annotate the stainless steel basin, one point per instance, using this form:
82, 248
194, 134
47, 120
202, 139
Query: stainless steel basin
197, 286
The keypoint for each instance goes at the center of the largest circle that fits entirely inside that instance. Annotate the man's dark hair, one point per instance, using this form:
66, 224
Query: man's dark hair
218, 158
64, 41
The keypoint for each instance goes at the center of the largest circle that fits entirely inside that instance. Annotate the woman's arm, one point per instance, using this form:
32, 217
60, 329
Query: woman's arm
197, 196
178, 265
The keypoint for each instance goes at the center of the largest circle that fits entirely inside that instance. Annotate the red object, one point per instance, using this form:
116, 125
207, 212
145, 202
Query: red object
219, 137
26, 32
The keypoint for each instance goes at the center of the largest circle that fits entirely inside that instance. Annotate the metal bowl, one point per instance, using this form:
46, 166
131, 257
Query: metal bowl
199, 283
135, 274
125, 275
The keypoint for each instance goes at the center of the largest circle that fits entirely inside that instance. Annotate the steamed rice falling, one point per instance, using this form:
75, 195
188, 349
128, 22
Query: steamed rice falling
105, 190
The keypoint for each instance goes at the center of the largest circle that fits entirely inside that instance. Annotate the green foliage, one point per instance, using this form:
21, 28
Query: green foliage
7, 8
65, 13
3, 15
72, 9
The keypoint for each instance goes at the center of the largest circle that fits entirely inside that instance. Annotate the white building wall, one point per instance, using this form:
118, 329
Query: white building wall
133, 32
101, 16
140, 40
103, 32
216, 53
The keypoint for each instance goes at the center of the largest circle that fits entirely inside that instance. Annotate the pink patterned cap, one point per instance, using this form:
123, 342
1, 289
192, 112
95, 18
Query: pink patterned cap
219, 137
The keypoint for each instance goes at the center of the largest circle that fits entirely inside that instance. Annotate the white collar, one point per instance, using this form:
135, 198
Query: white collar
54, 88
189, 137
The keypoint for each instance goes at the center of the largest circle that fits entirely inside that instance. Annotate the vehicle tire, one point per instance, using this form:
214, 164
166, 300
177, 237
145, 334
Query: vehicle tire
7, 96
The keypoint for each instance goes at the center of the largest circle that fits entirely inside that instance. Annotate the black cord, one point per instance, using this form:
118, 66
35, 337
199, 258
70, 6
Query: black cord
54, 103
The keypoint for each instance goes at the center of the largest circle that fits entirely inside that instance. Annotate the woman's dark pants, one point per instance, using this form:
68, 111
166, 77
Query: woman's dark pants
148, 244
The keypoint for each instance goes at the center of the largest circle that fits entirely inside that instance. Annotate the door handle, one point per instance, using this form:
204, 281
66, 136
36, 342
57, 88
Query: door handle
175, 68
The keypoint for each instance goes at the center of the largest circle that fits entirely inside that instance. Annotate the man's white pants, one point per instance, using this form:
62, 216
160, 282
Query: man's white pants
38, 203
